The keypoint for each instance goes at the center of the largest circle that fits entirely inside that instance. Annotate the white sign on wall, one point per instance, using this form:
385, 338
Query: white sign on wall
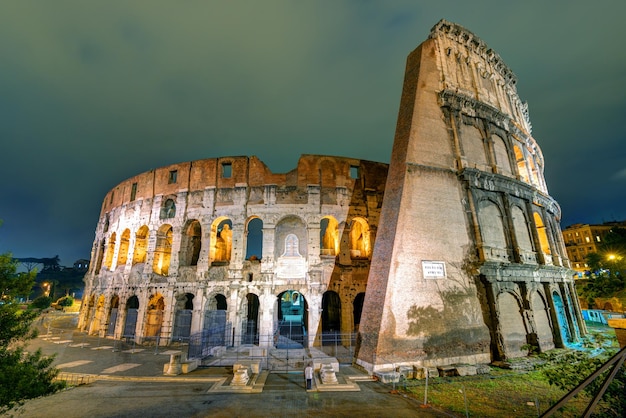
434, 269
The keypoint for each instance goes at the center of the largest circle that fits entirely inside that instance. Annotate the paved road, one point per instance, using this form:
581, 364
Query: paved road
136, 387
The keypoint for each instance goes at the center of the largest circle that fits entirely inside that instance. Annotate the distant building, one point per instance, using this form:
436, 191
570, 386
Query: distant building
81, 265
584, 239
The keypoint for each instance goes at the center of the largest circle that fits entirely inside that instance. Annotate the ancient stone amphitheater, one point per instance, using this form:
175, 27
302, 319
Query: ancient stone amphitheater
452, 253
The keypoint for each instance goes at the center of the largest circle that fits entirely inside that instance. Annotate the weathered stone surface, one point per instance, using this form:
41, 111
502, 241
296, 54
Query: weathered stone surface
184, 243
466, 370
469, 265
467, 262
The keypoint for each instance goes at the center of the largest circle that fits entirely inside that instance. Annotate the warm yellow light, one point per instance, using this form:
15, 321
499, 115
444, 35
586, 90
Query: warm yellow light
612, 257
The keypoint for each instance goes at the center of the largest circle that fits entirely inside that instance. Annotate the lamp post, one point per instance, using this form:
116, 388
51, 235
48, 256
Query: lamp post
46, 289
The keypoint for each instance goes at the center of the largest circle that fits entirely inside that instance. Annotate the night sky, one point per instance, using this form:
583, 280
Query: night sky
92, 93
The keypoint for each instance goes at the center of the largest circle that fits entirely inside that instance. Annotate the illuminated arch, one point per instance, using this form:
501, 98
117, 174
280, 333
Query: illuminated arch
221, 239
520, 160
163, 250
359, 238
154, 315
110, 250
122, 254
141, 245
329, 236
542, 234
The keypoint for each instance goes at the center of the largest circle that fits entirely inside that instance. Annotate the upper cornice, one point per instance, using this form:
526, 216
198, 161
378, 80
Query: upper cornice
466, 38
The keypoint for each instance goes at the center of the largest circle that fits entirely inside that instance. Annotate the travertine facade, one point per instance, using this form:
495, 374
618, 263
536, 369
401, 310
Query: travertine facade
467, 262
228, 235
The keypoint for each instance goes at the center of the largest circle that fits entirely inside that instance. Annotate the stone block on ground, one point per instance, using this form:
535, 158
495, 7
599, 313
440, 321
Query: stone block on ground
252, 366
388, 376
483, 369
445, 371
408, 372
319, 362
465, 370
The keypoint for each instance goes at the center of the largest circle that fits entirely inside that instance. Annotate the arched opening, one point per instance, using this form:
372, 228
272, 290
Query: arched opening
215, 328
108, 260
357, 309
168, 210
163, 250
250, 325
511, 325
542, 235
331, 317
502, 157
522, 169
99, 320
112, 317
222, 238
141, 245
100, 256
191, 244
545, 339
154, 316
359, 239
90, 312
290, 238
122, 255
473, 146
215, 313
254, 239
329, 236
561, 316
182, 318
495, 246
522, 233
130, 322
292, 320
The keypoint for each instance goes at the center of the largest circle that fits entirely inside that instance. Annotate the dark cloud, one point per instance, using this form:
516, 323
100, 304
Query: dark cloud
91, 94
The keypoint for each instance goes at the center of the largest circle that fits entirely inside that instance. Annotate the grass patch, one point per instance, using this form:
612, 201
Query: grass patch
502, 393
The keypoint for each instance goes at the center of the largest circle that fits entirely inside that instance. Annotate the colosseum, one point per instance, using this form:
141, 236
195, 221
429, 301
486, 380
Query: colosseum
452, 253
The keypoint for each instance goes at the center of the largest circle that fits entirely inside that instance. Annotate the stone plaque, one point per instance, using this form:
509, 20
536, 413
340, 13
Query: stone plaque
434, 269
291, 268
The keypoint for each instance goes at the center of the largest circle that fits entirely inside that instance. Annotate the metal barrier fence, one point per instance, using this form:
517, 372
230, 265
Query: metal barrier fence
285, 349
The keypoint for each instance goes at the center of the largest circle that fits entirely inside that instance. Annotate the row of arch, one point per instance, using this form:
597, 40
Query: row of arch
528, 235
356, 240
544, 322
520, 162
109, 316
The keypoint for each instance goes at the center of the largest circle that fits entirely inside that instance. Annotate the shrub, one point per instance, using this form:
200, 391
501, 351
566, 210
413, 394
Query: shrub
65, 301
42, 302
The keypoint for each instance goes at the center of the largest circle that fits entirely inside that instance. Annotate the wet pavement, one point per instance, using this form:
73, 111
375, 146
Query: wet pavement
127, 381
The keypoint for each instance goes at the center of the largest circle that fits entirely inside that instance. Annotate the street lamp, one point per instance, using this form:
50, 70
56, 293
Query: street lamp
46, 288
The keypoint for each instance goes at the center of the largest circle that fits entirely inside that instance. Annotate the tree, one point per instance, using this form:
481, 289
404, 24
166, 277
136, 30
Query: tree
608, 266
23, 375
